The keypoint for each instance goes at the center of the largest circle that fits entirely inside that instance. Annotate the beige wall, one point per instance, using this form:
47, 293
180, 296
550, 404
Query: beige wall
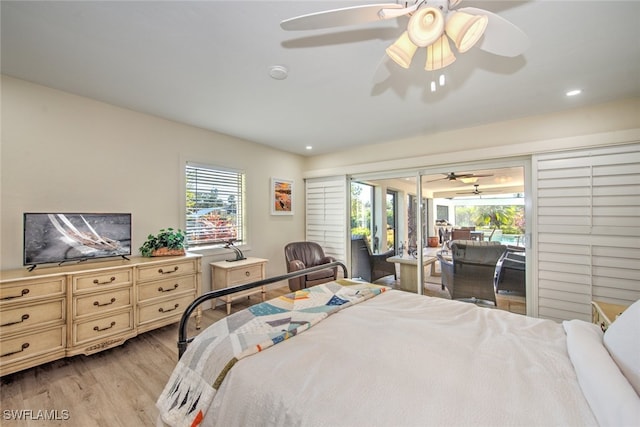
611, 123
62, 152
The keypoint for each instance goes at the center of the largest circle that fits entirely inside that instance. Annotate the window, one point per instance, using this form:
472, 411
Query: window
361, 210
214, 205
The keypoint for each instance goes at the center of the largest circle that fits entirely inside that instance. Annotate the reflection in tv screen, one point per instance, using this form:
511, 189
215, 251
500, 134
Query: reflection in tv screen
61, 237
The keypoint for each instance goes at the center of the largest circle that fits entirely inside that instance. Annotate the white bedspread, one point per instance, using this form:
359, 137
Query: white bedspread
402, 359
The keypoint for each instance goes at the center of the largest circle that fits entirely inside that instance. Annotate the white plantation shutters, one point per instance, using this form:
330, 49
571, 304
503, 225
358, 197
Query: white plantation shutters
326, 214
587, 229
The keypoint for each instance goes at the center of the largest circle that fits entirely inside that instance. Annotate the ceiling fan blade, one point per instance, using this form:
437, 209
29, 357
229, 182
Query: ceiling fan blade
452, 176
501, 37
382, 71
344, 16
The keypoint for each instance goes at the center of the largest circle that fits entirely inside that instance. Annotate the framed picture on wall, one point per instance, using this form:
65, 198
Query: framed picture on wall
281, 196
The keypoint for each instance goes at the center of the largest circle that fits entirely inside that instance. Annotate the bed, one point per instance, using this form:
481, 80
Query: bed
357, 354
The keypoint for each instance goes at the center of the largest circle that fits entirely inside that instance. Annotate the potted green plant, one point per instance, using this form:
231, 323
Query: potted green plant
168, 242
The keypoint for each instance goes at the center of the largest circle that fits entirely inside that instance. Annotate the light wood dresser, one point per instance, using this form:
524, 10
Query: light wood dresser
51, 313
233, 273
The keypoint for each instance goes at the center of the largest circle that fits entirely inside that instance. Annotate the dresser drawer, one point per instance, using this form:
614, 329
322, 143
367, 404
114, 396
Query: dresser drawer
95, 281
27, 290
164, 309
164, 288
28, 317
247, 274
32, 344
166, 270
103, 302
95, 329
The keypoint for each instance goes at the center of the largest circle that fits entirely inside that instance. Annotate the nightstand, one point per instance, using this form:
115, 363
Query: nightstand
232, 273
604, 313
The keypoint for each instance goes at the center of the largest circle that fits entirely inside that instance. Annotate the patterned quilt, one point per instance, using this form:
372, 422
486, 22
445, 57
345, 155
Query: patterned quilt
201, 370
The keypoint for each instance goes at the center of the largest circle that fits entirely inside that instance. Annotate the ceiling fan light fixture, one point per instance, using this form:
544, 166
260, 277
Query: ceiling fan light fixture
465, 29
402, 50
439, 54
425, 26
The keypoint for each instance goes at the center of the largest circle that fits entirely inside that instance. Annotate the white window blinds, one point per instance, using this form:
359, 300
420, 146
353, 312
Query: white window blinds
214, 205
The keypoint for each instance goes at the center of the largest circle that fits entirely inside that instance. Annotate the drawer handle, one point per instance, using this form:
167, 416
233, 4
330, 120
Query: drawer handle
161, 271
97, 282
97, 304
96, 328
24, 317
161, 289
23, 293
247, 273
23, 348
166, 310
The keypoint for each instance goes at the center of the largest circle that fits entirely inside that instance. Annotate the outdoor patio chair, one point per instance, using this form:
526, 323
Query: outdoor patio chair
468, 273
460, 234
510, 272
367, 265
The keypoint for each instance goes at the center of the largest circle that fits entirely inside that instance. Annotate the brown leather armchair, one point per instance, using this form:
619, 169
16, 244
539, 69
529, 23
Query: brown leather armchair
301, 255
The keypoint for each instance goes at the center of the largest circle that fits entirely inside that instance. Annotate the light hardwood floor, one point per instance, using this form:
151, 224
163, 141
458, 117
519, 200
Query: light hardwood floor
116, 387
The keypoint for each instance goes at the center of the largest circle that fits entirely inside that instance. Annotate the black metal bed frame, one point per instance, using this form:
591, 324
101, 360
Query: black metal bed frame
183, 341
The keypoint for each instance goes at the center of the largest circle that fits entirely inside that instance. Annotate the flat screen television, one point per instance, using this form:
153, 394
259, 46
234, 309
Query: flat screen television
62, 237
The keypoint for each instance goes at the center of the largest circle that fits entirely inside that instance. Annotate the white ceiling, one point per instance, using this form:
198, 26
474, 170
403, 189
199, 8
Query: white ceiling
206, 63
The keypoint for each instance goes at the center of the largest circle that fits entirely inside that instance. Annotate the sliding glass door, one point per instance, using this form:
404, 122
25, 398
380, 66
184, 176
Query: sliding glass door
414, 212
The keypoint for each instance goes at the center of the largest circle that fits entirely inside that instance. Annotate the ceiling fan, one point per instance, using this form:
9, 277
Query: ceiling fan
432, 24
474, 191
452, 176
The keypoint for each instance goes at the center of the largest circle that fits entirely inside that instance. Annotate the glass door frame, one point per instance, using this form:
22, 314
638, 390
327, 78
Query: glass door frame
394, 206
506, 162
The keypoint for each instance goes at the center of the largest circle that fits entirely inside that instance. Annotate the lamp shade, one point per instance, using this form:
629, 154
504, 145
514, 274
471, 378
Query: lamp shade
465, 30
439, 54
425, 26
402, 51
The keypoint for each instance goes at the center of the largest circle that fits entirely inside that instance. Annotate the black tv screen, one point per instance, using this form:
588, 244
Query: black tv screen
62, 237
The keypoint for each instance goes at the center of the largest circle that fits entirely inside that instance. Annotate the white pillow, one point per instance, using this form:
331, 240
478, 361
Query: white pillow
622, 340
612, 399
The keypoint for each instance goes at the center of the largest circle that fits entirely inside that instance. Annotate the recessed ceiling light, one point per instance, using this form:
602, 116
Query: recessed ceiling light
574, 92
278, 72
308, 147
